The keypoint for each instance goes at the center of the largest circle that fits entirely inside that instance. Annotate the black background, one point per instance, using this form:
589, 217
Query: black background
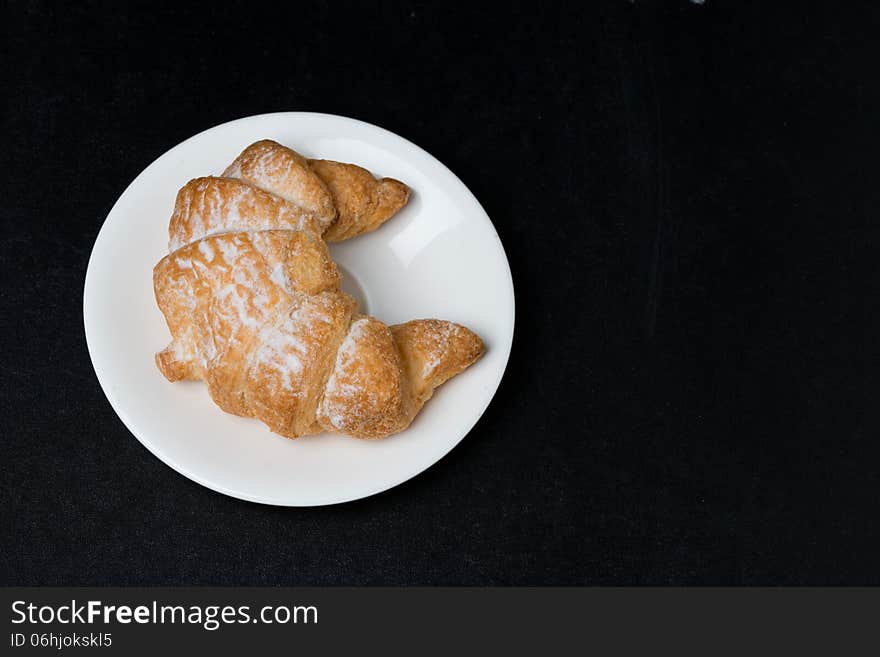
687, 194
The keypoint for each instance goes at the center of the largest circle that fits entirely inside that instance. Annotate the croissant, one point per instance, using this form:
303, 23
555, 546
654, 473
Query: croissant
252, 300
345, 199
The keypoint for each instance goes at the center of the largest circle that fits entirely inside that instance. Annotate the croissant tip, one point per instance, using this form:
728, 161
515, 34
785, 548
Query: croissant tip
170, 367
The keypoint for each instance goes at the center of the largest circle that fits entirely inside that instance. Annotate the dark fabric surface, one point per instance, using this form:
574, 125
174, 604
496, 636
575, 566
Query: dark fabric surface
687, 195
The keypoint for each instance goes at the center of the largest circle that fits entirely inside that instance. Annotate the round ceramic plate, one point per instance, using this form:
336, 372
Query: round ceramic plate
439, 257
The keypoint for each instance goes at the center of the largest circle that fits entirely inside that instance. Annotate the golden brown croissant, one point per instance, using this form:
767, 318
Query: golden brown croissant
345, 199
252, 300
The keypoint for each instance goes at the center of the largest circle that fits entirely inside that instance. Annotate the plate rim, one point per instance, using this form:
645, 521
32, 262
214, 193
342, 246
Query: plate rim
219, 488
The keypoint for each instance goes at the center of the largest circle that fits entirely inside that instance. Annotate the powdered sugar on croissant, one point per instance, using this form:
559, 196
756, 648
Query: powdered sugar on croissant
345, 199
256, 312
206, 206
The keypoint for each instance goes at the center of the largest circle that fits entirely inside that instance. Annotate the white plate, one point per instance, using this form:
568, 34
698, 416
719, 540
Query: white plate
439, 257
